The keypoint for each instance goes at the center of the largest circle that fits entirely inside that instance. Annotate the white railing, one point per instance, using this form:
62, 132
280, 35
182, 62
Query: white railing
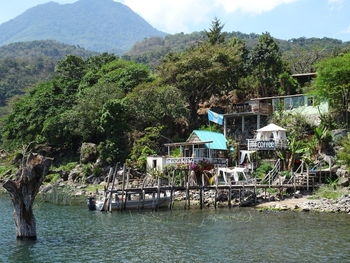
254, 145
272, 174
195, 160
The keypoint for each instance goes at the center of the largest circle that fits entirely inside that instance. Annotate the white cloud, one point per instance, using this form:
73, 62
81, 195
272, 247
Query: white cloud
251, 6
169, 15
335, 1
174, 15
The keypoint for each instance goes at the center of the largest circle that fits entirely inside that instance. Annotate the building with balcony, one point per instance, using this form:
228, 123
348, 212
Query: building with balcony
201, 146
244, 119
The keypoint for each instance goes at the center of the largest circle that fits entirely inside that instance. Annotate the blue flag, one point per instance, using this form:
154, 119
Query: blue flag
215, 117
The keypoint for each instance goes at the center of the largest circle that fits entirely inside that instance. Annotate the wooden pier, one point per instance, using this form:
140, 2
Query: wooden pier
168, 189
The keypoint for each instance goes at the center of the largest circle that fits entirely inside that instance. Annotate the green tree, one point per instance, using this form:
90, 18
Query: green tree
155, 104
125, 74
209, 70
333, 83
215, 34
145, 145
344, 153
267, 65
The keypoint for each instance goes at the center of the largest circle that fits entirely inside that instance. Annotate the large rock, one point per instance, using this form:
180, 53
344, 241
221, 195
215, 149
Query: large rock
76, 173
88, 152
344, 181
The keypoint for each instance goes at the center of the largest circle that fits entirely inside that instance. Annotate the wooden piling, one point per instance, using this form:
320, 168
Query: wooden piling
172, 190
127, 178
216, 192
229, 194
188, 194
105, 204
158, 193
122, 206
111, 192
153, 200
255, 197
201, 193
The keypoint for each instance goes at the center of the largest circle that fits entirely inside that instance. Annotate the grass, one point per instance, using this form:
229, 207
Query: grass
51, 178
329, 192
66, 167
92, 188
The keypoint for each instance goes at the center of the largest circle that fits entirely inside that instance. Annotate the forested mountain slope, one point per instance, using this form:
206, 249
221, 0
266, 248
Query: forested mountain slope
99, 25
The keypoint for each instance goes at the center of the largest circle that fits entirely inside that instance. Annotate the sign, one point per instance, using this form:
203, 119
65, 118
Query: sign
265, 145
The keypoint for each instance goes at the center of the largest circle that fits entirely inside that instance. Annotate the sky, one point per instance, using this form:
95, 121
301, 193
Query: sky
284, 19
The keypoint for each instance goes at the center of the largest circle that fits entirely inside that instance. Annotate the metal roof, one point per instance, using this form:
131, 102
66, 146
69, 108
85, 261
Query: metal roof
186, 143
219, 141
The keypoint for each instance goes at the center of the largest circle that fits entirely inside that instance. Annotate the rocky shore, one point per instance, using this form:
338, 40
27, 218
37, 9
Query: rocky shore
309, 204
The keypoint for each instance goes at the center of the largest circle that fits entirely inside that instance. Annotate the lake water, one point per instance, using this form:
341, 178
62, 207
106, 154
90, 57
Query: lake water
73, 234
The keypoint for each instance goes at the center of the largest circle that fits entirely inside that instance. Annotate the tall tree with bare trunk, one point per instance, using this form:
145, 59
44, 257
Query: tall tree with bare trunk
23, 190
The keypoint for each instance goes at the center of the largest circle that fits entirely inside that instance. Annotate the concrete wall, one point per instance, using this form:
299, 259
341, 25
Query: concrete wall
155, 162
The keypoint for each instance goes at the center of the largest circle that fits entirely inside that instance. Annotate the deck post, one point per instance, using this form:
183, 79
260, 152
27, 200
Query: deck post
243, 193
127, 178
140, 198
201, 192
243, 123
188, 192
216, 191
255, 197
294, 182
123, 190
111, 192
143, 198
229, 194
307, 178
125, 199
105, 204
240, 196
158, 193
153, 200
172, 190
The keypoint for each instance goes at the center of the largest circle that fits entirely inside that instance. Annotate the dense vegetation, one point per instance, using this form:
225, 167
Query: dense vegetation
129, 111
22, 65
300, 53
99, 25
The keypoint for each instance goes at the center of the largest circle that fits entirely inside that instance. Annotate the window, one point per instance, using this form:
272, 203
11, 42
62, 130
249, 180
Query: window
310, 101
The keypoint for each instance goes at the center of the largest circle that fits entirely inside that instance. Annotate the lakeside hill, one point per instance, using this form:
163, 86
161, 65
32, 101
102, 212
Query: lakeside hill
98, 25
151, 50
42, 48
25, 64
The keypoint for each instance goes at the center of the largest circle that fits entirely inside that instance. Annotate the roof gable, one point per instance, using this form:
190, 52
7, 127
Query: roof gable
219, 140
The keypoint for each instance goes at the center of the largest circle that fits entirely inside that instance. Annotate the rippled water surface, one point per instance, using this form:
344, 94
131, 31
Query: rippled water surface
73, 234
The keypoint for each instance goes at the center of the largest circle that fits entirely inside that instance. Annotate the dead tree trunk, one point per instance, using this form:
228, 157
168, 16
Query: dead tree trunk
23, 191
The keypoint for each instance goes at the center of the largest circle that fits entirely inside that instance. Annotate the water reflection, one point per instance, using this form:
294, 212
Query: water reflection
73, 234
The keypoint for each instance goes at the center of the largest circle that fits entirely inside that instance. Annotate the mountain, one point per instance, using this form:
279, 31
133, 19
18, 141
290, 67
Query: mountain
98, 25
151, 50
25, 64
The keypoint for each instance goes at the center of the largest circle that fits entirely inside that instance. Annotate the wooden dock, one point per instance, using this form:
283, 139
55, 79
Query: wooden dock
125, 190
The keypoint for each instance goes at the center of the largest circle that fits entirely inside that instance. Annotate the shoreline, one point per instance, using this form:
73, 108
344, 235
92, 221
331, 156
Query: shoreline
71, 195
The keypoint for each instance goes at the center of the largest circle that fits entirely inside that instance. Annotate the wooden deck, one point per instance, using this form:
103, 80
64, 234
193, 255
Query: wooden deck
124, 191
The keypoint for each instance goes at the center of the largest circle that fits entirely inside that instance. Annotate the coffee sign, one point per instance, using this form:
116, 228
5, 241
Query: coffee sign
266, 145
